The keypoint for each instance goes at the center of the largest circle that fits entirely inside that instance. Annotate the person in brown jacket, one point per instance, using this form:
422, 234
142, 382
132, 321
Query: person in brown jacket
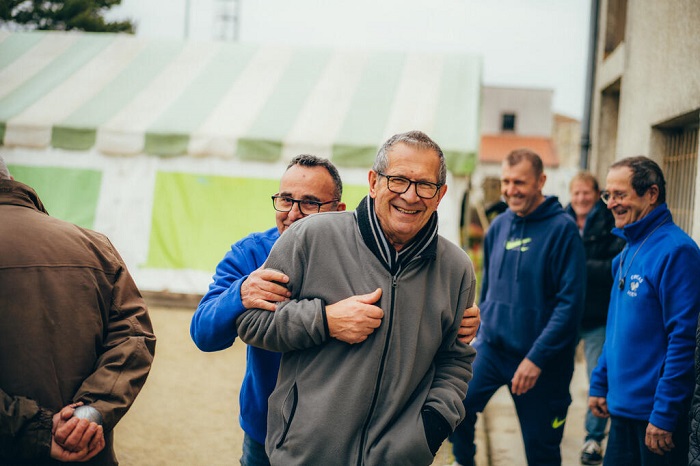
74, 330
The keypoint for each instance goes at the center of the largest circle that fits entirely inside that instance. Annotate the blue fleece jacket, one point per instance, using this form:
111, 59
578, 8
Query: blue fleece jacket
213, 327
646, 369
533, 285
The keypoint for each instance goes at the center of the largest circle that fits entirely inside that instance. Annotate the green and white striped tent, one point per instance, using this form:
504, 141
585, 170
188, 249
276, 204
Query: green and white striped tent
172, 148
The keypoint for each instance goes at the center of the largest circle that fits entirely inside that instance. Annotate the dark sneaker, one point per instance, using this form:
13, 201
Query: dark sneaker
591, 453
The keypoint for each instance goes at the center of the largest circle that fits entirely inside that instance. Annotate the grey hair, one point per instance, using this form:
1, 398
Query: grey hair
4, 171
308, 160
645, 174
415, 139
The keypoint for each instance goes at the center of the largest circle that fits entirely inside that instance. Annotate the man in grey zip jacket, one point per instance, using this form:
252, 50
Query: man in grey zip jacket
394, 395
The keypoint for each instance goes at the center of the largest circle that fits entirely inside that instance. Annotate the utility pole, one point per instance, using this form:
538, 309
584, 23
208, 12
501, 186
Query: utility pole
590, 83
187, 19
228, 20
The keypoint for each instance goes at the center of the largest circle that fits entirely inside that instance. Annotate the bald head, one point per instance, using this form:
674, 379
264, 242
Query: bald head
4, 172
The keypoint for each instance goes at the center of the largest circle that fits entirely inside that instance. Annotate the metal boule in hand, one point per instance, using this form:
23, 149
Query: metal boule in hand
89, 413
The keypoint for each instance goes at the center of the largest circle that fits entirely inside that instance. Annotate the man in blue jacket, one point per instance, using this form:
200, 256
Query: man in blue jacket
310, 185
644, 378
531, 299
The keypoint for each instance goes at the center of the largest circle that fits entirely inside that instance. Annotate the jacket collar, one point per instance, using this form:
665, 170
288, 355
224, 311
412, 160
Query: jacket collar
19, 194
639, 229
424, 245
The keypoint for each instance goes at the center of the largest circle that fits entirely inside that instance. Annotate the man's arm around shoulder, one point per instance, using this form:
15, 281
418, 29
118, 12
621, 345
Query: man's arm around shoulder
213, 326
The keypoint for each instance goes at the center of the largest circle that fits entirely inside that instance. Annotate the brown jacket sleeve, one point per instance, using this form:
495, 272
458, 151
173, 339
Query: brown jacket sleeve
128, 350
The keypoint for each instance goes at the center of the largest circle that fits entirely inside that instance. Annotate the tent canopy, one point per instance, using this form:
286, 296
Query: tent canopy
173, 148
123, 95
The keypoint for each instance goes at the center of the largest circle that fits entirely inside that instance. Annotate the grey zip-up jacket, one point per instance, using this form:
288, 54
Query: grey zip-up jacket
391, 399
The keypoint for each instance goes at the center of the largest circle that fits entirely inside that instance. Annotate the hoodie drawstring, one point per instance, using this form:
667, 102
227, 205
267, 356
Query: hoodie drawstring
521, 242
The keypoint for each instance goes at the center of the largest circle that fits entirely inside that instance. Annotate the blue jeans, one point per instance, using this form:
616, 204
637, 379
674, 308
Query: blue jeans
593, 340
253, 453
626, 444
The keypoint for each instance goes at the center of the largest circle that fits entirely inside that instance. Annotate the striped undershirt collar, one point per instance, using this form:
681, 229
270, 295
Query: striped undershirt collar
423, 245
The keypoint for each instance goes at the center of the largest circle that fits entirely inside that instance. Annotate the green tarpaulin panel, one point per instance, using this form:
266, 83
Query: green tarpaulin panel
196, 218
67, 193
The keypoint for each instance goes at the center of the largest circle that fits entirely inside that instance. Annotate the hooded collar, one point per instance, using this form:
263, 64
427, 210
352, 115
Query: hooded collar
548, 208
598, 207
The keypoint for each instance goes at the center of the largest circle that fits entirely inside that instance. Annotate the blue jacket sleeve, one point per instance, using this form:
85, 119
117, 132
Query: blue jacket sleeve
599, 377
213, 325
297, 323
680, 300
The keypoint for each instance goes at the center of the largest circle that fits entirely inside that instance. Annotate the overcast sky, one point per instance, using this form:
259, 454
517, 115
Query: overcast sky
523, 43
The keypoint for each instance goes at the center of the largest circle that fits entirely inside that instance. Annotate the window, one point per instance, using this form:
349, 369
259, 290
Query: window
608, 114
616, 21
679, 139
508, 122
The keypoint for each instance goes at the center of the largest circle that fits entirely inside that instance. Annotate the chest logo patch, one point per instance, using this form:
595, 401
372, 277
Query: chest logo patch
635, 282
518, 243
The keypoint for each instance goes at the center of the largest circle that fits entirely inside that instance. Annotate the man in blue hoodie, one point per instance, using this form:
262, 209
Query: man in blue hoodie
644, 378
531, 300
309, 185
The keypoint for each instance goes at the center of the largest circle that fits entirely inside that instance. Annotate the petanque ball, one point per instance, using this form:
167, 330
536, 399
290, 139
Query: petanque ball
89, 413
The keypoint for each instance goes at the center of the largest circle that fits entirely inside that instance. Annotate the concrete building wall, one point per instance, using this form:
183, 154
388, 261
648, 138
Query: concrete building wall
532, 108
662, 77
647, 74
566, 136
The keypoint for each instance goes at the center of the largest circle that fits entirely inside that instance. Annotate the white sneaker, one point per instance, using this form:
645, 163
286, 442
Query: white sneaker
591, 453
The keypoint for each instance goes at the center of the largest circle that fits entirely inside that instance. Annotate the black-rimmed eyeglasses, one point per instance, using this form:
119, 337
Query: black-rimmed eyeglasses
306, 206
399, 185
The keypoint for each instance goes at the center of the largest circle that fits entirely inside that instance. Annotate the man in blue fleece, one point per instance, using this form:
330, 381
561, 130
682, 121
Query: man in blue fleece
644, 378
532, 300
309, 185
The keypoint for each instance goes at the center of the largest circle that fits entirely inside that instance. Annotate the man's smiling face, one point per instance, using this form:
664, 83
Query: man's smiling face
521, 187
403, 215
625, 204
307, 183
